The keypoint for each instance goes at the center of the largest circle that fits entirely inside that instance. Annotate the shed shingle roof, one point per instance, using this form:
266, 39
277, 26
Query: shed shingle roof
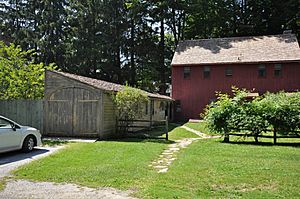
272, 48
104, 85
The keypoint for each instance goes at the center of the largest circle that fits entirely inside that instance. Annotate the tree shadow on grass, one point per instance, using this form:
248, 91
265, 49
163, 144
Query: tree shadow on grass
142, 140
291, 144
156, 134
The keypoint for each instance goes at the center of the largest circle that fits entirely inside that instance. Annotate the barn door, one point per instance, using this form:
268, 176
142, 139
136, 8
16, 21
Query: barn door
59, 113
72, 112
85, 112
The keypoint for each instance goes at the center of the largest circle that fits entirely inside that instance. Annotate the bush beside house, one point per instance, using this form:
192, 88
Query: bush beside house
236, 113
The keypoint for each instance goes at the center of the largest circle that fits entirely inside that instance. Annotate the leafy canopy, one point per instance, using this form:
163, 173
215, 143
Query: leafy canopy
129, 102
20, 76
237, 114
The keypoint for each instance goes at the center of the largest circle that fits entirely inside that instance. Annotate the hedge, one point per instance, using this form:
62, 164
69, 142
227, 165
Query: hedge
235, 113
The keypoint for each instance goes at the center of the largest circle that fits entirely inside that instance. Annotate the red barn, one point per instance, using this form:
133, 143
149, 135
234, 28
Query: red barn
202, 67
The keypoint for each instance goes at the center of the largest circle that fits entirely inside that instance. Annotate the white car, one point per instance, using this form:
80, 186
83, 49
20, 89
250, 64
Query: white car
14, 136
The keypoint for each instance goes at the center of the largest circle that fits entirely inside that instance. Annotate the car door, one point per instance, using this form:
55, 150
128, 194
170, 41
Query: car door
9, 138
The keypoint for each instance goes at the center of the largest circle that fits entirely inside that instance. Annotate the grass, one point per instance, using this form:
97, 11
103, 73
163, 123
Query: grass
122, 164
2, 184
206, 169
199, 126
180, 133
211, 169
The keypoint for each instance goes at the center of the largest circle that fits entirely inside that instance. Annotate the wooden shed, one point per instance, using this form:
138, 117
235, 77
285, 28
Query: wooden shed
77, 106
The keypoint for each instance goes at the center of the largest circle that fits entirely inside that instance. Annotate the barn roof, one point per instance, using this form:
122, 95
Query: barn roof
255, 49
104, 85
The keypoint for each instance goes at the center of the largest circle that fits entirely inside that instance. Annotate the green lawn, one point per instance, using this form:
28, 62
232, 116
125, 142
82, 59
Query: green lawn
199, 126
206, 169
211, 169
180, 133
121, 164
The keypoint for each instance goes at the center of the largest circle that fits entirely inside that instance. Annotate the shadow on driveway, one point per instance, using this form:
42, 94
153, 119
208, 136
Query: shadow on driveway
16, 156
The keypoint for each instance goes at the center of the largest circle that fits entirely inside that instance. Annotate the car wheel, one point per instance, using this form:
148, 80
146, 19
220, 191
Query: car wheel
28, 144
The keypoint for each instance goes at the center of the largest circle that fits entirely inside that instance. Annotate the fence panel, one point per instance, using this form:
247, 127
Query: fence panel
24, 112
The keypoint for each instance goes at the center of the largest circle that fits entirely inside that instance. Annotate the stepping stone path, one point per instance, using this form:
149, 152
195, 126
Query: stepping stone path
170, 154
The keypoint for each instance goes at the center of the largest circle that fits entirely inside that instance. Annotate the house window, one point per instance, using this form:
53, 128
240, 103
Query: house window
261, 70
277, 70
162, 106
206, 72
228, 72
186, 72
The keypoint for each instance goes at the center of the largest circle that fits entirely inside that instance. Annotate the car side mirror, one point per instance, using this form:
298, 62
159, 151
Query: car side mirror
13, 126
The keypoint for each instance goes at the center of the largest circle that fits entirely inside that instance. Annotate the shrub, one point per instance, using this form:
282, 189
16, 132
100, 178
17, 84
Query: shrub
129, 103
280, 111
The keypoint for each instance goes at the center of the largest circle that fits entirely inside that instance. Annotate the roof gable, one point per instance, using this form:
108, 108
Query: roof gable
104, 85
254, 49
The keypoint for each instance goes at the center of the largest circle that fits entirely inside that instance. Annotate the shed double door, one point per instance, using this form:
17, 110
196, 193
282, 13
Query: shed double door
72, 112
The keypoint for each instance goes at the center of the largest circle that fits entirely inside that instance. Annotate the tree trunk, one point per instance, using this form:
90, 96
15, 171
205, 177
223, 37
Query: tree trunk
226, 136
162, 88
132, 59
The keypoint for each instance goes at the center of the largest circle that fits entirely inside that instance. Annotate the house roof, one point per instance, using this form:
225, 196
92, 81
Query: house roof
255, 49
106, 86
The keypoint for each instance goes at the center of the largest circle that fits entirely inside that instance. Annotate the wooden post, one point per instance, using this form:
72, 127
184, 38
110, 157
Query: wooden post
151, 112
275, 136
226, 136
167, 128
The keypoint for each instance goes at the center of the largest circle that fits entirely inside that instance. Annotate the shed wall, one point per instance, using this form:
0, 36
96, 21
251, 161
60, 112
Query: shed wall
109, 116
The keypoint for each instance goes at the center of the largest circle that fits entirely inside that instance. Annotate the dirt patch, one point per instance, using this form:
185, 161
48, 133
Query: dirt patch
22, 189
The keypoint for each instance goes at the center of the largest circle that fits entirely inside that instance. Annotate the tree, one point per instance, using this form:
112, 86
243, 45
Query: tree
129, 103
133, 41
20, 76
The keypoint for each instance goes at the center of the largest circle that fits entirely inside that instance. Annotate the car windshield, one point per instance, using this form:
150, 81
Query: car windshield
4, 123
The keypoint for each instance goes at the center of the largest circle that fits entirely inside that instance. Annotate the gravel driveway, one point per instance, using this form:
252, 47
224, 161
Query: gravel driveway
22, 189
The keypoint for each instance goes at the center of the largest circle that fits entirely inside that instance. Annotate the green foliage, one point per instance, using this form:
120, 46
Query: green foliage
129, 103
20, 76
280, 111
226, 113
134, 40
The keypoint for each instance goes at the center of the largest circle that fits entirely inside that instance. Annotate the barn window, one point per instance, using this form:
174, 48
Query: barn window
261, 70
186, 72
206, 72
228, 72
277, 70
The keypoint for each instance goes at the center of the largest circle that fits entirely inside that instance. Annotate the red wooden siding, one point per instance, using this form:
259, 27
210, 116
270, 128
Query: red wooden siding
196, 92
